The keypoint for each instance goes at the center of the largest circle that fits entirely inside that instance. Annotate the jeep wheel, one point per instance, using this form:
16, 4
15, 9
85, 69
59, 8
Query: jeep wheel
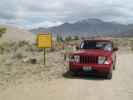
74, 73
109, 76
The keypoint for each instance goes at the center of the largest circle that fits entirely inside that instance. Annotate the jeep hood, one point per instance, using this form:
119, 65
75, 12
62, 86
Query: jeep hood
93, 52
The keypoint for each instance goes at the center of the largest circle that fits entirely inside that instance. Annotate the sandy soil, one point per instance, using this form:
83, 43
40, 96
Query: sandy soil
16, 34
88, 88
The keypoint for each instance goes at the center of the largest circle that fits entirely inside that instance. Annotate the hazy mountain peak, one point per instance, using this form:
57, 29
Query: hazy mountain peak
66, 23
86, 27
91, 21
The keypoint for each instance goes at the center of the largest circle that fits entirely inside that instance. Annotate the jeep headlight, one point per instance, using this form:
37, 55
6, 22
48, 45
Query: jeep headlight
101, 59
74, 58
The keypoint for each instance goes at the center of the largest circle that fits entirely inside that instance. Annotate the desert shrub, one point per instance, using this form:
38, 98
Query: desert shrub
131, 44
76, 38
6, 47
22, 43
26, 46
68, 38
11, 46
34, 48
121, 42
52, 49
125, 42
18, 56
2, 31
116, 42
1, 50
59, 38
56, 46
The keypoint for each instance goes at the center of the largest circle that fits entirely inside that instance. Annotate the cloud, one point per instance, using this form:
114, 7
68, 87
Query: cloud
37, 13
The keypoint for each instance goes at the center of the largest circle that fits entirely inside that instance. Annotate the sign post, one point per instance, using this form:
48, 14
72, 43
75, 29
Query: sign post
44, 56
44, 40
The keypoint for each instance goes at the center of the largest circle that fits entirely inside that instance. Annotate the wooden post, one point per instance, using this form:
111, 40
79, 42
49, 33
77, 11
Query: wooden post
44, 56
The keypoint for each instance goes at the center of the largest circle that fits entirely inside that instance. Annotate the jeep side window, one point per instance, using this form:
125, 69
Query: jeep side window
108, 47
104, 45
82, 45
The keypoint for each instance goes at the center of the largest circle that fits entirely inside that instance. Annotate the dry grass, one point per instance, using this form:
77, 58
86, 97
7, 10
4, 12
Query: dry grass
15, 66
126, 43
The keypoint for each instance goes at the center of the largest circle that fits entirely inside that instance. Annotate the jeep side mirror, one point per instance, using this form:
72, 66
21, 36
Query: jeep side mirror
115, 49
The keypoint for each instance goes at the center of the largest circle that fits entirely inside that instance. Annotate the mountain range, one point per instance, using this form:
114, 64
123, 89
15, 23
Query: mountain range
89, 27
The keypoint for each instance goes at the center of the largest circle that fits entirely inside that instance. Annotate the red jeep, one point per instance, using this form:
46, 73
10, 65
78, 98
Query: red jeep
94, 57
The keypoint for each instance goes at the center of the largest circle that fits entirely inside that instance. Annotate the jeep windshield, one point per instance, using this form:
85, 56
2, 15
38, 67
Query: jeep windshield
104, 45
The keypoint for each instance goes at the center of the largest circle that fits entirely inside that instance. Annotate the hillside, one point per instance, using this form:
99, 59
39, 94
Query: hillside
16, 34
128, 33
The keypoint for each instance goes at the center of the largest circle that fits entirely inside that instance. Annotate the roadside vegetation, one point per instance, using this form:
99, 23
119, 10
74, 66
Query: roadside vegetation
2, 31
22, 60
125, 43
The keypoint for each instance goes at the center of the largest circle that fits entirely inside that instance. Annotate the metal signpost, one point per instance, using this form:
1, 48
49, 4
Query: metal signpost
44, 40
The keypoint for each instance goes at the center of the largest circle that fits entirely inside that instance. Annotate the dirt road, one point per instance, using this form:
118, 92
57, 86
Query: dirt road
119, 88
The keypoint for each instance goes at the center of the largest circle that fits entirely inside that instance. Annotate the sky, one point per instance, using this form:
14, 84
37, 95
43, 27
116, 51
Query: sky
47, 13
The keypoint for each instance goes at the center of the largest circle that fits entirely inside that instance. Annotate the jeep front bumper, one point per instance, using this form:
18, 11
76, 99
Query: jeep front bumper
95, 68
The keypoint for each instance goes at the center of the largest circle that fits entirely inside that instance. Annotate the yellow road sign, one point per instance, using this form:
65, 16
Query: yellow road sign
44, 40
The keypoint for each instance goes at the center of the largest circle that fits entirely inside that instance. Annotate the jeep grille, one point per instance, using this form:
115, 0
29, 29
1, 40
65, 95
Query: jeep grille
88, 59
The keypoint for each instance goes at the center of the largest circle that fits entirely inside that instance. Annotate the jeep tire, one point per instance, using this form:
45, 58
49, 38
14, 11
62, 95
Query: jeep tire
109, 76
